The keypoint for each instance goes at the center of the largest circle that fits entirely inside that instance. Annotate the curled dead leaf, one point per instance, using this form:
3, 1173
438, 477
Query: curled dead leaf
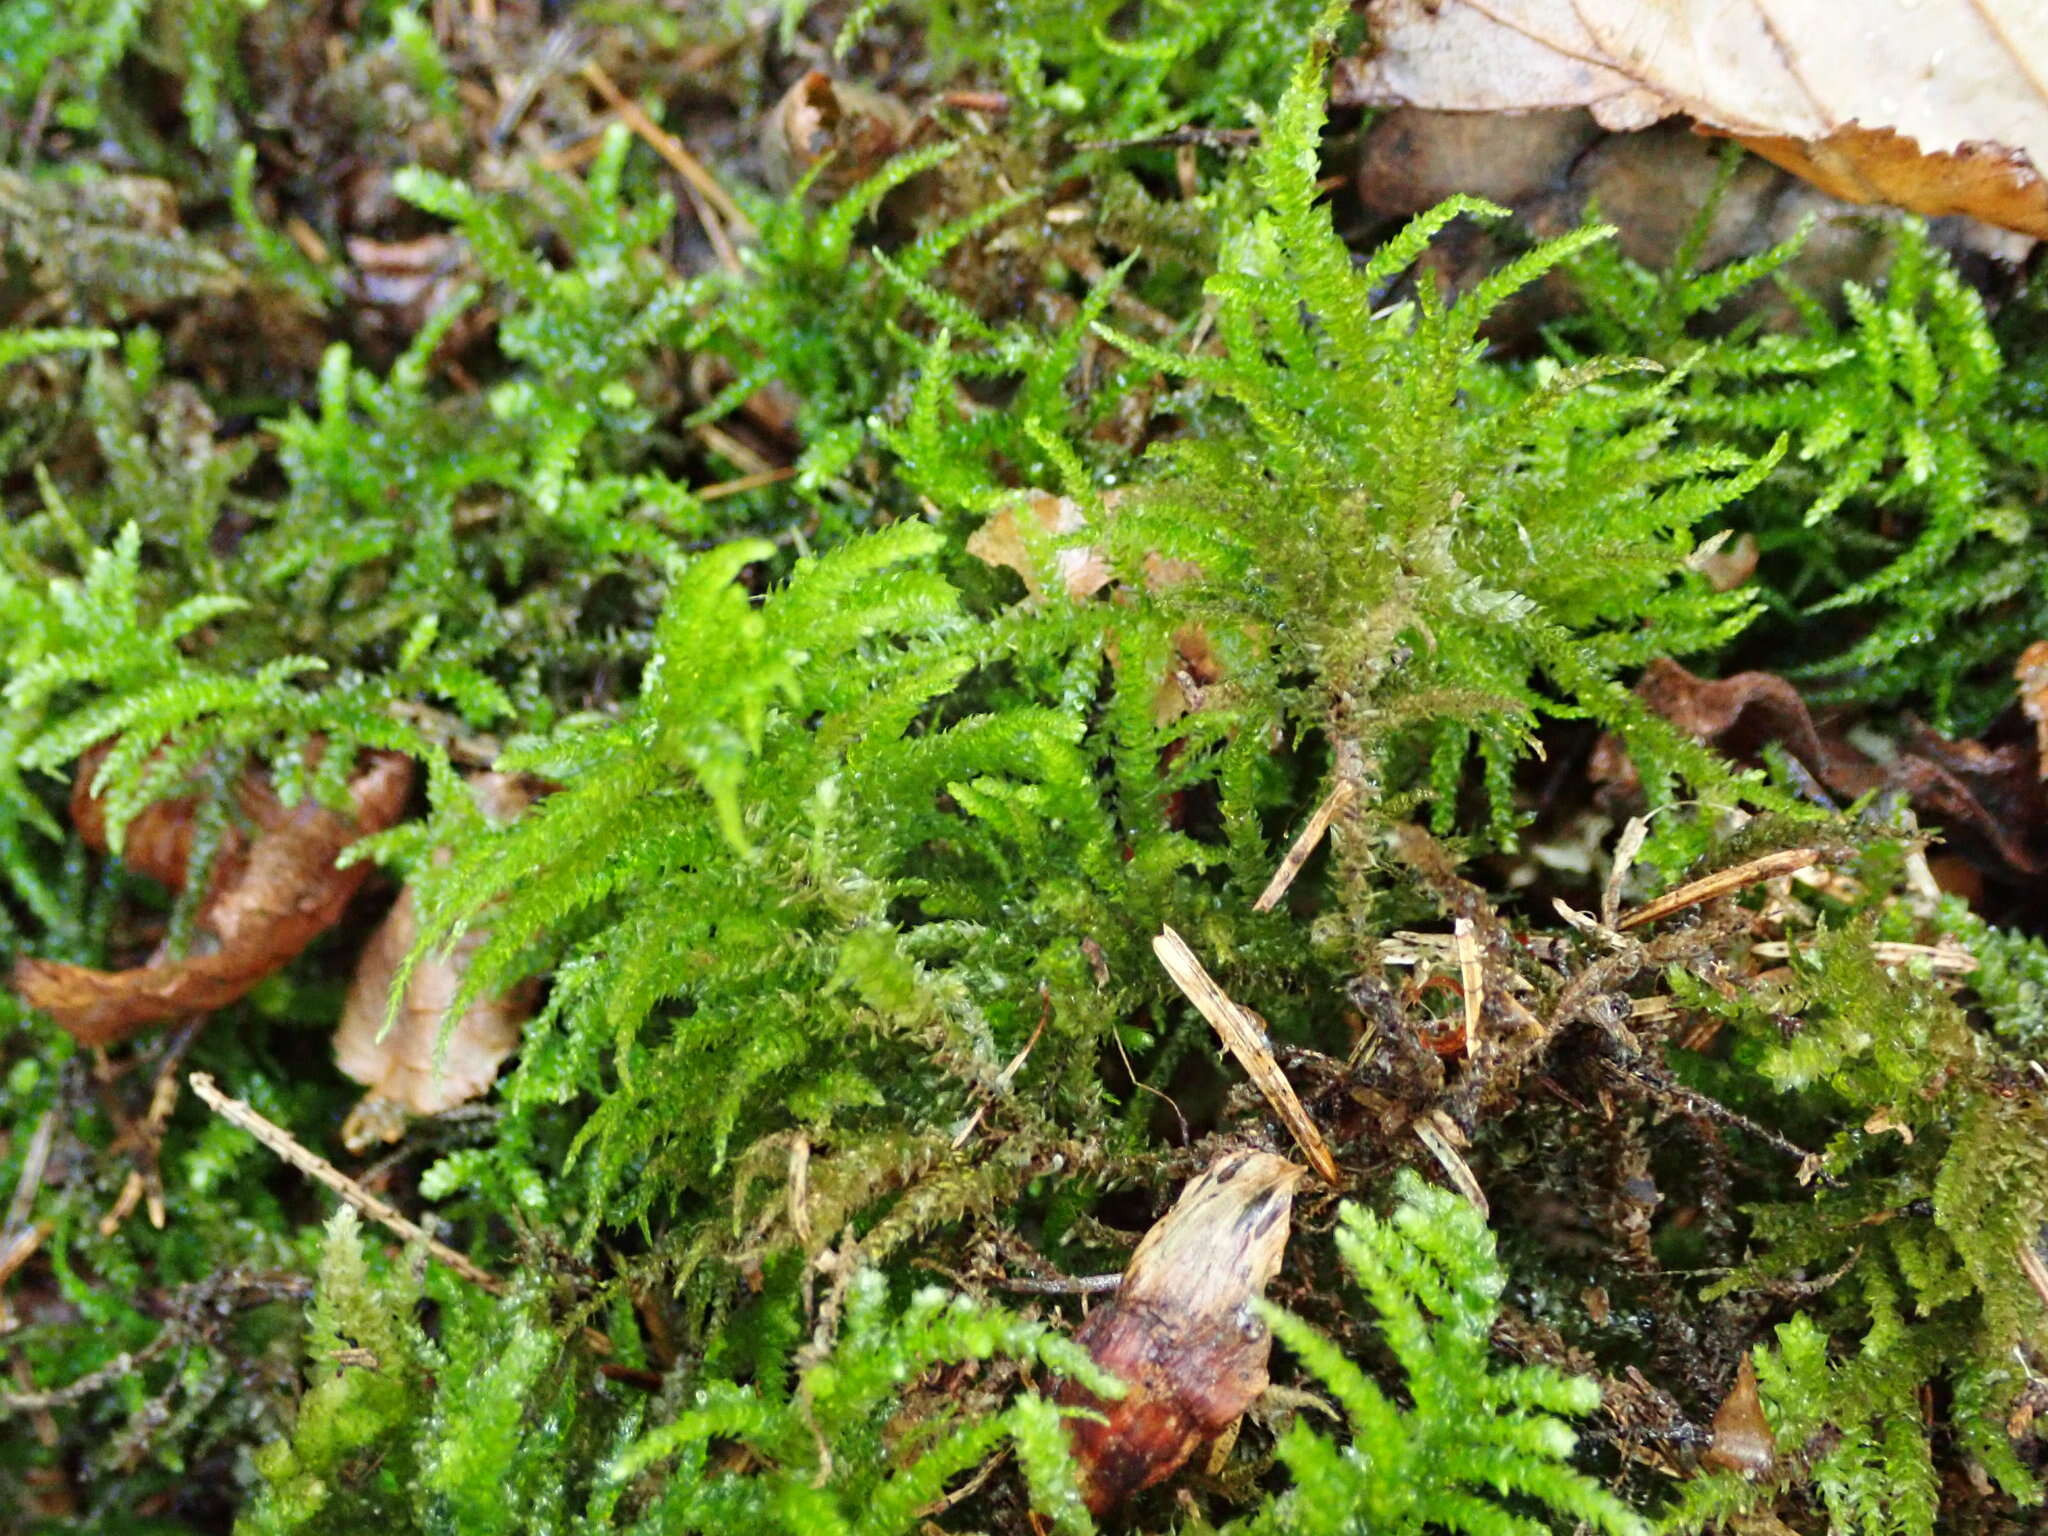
285, 892
412, 1069
1994, 793
1182, 1332
1858, 110
819, 116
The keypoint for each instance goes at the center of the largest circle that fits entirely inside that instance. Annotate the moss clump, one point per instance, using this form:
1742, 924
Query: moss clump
907, 608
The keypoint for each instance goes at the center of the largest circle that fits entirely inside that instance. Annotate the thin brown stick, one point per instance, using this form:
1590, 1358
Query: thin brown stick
1786, 861
1009, 1074
18, 1249
1304, 845
33, 1162
752, 482
1439, 1132
314, 1166
1244, 1036
669, 147
713, 227
1060, 1285
2035, 1270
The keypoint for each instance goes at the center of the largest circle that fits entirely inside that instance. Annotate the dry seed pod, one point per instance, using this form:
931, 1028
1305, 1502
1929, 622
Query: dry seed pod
410, 1070
1182, 1332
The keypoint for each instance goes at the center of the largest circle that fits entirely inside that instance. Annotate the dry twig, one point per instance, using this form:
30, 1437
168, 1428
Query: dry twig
314, 1166
669, 147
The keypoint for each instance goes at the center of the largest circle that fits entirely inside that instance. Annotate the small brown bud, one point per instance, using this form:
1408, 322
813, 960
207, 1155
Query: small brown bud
1742, 1435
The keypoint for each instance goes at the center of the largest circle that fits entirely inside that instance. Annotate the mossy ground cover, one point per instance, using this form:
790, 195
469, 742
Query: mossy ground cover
910, 577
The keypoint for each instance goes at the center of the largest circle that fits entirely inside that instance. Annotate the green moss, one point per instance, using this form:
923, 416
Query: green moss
844, 899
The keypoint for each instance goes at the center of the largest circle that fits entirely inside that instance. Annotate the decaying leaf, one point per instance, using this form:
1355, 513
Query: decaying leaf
1083, 571
2031, 673
158, 839
1181, 1332
1992, 792
819, 116
284, 893
1743, 1441
412, 1069
1938, 110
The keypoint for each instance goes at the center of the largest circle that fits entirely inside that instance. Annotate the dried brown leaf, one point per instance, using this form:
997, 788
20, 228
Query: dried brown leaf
412, 1069
2031, 673
1181, 1332
157, 841
1940, 113
1743, 1441
1994, 792
284, 896
819, 116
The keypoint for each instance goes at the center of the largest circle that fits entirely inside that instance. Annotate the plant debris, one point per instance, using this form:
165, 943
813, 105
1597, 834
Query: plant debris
280, 896
1181, 1331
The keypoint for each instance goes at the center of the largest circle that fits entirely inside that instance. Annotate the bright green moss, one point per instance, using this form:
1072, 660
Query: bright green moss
860, 841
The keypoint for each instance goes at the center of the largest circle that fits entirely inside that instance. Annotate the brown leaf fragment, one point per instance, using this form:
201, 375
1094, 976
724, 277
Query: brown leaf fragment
1002, 540
158, 840
1182, 1332
412, 1069
1993, 792
286, 894
2031, 673
1937, 114
1742, 1439
819, 116
1082, 571
1992, 182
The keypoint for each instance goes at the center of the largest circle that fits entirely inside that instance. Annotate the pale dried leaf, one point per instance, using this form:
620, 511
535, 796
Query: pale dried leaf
1939, 108
423, 1065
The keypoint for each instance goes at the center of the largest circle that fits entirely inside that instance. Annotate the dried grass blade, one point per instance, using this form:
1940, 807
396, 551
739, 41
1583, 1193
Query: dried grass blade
1246, 1040
1304, 845
1787, 861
